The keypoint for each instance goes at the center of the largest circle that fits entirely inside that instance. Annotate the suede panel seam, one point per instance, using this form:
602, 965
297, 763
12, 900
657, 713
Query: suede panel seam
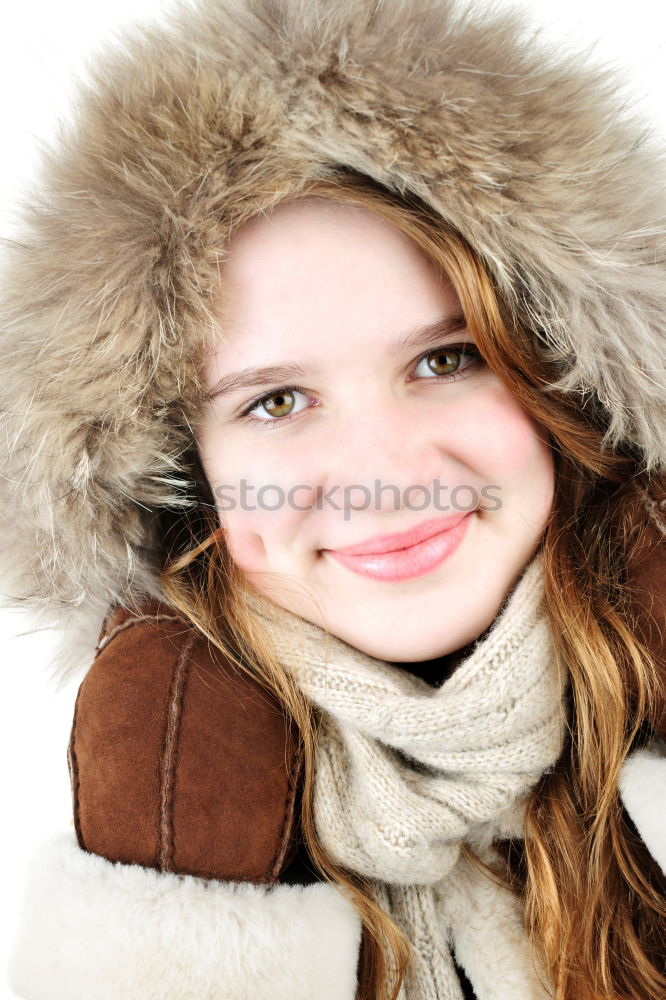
135, 620
73, 767
288, 820
170, 756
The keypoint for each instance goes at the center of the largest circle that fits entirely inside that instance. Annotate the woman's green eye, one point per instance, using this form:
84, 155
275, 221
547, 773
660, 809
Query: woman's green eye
280, 402
445, 362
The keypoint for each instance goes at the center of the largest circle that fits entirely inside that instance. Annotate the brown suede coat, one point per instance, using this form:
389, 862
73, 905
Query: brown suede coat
178, 760
181, 762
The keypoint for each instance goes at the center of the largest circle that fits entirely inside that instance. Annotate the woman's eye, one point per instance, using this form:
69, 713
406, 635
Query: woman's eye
446, 361
445, 364
278, 406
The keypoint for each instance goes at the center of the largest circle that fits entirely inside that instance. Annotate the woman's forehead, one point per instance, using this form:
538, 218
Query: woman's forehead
308, 268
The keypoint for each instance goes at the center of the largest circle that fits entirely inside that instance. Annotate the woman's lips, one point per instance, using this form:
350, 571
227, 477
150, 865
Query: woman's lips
406, 563
402, 539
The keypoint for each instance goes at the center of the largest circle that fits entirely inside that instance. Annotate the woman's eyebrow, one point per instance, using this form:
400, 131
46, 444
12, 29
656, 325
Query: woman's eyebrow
249, 378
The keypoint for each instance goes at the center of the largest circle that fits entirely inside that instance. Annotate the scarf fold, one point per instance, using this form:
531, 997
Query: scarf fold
406, 772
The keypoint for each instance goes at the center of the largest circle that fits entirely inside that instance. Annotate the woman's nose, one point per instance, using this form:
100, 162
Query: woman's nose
390, 456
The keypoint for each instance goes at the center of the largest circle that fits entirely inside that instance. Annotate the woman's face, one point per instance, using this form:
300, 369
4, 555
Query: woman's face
375, 437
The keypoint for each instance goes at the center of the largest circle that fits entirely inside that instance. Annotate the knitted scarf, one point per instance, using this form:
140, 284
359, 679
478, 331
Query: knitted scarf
405, 772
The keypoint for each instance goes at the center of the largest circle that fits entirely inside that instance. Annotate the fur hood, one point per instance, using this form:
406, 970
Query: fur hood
188, 126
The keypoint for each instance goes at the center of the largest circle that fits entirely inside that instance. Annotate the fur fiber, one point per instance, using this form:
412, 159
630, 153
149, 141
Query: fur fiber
185, 127
92, 929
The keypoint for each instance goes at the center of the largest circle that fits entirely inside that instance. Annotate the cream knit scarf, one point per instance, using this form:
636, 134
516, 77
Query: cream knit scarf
405, 772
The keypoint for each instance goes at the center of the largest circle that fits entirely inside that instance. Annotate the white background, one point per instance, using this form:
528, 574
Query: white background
42, 47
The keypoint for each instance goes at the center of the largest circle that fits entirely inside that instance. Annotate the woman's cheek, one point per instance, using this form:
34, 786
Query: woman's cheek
508, 444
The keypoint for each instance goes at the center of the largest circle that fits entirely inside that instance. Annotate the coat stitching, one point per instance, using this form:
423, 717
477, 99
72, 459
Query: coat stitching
146, 619
74, 774
287, 818
168, 766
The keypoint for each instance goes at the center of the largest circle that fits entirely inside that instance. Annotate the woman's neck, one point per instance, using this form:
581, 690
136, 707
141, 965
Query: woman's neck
439, 669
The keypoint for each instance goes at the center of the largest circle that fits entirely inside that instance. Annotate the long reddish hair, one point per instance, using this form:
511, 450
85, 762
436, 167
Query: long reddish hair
593, 896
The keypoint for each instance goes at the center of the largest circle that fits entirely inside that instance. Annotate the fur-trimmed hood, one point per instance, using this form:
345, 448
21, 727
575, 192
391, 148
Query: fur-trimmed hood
190, 125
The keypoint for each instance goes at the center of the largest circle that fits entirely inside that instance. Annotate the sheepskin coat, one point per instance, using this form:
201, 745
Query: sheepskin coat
184, 128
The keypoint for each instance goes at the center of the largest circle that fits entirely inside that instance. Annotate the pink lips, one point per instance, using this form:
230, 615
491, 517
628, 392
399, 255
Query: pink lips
406, 555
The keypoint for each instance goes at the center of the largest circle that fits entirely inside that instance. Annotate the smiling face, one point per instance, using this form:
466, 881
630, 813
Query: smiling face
333, 288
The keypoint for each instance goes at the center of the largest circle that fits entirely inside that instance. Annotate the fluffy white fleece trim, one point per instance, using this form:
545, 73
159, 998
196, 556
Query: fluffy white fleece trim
486, 931
642, 787
94, 930
91, 929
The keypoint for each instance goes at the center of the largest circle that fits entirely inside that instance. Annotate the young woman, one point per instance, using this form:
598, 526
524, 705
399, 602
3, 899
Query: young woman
377, 701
